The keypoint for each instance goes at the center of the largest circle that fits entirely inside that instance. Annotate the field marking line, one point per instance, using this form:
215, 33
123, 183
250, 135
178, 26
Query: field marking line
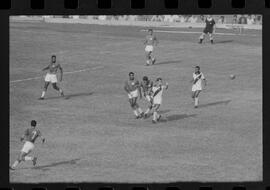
190, 32
69, 72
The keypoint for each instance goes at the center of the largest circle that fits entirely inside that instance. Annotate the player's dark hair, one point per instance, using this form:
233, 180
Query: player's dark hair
130, 73
150, 30
33, 123
198, 67
145, 78
53, 56
158, 79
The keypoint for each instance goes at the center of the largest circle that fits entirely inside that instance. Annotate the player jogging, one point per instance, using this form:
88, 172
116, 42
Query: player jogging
30, 136
51, 77
157, 92
150, 41
198, 77
132, 87
146, 86
209, 29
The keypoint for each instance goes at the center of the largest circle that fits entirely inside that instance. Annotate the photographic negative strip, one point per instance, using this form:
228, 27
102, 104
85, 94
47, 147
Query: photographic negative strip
131, 98
137, 94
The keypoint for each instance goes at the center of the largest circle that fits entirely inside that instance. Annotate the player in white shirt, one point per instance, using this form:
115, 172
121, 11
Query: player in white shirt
197, 85
157, 91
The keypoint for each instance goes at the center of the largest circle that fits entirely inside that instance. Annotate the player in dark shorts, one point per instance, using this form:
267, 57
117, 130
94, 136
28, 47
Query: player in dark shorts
209, 29
30, 136
51, 77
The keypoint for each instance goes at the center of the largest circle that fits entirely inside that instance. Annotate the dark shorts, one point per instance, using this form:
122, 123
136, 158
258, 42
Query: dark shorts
208, 30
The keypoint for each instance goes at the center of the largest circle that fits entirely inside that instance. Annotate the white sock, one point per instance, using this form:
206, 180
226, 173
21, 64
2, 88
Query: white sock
15, 164
196, 101
43, 94
139, 110
135, 112
28, 158
155, 116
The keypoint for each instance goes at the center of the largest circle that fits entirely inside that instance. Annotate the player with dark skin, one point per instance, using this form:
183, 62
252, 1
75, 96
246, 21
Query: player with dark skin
51, 76
30, 136
150, 41
132, 87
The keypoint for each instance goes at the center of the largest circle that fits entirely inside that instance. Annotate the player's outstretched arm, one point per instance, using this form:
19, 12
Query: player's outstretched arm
46, 68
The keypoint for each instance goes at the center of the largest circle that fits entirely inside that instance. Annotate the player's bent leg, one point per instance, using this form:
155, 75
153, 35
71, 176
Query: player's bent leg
57, 88
46, 84
211, 38
201, 38
196, 98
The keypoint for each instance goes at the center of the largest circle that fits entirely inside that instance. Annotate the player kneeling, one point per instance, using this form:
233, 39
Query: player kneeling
157, 92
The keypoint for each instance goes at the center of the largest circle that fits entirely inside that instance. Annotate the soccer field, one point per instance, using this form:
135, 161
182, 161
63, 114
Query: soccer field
92, 135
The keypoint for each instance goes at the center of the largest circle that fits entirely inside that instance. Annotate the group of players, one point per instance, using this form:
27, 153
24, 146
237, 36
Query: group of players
151, 91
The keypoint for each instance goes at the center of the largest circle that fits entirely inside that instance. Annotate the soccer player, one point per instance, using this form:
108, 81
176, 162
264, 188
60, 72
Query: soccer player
209, 29
157, 92
51, 76
150, 41
146, 87
132, 87
30, 136
198, 77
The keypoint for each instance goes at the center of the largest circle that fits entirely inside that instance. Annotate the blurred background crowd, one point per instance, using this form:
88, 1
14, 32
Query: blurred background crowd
220, 19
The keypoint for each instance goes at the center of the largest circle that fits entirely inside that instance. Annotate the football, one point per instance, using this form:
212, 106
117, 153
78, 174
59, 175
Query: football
232, 77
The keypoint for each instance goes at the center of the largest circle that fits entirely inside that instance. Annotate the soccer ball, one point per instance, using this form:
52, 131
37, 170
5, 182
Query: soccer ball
232, 77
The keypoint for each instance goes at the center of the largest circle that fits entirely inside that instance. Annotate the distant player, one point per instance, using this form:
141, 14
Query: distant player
198, 77
132, 87
51, 76
146, 86
150, 41
30, 136
157, 92
209, 29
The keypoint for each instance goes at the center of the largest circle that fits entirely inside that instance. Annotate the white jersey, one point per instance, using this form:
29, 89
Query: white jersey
198, 84
157, 92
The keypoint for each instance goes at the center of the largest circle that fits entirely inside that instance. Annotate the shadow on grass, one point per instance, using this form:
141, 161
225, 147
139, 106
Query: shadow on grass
78, 95
225, 102
223, 41
46, 167
168, 62
68, 96
176, 117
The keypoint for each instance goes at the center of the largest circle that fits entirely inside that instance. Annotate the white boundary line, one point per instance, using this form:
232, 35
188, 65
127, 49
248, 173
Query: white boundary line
70, 72
190, 32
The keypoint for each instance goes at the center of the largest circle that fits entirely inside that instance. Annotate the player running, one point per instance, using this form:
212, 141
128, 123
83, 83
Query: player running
210, 27
198, 77
132, 87
146, 87
157, 92
150, 41
30, 136
51, 77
